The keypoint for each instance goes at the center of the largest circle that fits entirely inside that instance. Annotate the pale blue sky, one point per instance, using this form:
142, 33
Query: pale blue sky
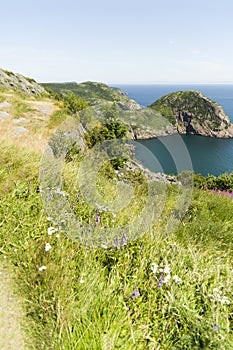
177, 41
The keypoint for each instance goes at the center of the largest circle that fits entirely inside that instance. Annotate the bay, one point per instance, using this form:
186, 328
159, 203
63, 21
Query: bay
207, 155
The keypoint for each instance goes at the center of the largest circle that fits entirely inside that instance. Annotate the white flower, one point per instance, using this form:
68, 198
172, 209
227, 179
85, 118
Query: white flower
225, 300
216, 291
47, 247
51, 230
58, 236
167, 278
42, 268
154, 268
177, 279
81, 281
167, 269
104, 246
49, 218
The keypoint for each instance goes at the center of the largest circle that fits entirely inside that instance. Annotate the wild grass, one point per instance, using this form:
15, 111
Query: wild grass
96, 298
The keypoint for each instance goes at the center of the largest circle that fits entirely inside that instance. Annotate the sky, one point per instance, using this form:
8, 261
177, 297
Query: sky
118, 42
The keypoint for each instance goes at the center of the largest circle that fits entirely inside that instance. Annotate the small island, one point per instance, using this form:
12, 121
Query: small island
193, 113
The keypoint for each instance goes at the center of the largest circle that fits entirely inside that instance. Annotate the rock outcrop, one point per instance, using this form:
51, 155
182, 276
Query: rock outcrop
20, 83
193, 113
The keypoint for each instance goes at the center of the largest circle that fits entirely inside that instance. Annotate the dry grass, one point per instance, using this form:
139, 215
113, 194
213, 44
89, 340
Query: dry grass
11, 314
37, 119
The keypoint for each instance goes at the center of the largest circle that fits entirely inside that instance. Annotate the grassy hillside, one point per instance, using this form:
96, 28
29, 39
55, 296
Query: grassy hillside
161, 291
91, 92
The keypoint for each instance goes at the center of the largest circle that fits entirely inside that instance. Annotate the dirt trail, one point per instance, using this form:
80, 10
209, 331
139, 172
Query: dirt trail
11, 314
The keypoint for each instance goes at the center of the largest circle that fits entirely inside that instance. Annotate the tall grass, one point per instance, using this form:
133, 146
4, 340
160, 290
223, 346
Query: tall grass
96, 298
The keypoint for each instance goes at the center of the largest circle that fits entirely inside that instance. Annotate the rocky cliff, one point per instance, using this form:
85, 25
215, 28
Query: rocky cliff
20, 83
193, 113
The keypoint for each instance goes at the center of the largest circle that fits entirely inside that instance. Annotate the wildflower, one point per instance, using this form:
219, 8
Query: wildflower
81, 281
117, 243
58, 236
166, 278
104, 246
177, 279
134, 294
97, 220
216, 291
215, 327
47, 247
154, 268
124, 240
225, 300
42, 268
51, 230
161, 282
167, 269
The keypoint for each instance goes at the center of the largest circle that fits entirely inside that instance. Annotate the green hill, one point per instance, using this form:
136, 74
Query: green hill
193, 113
93, 93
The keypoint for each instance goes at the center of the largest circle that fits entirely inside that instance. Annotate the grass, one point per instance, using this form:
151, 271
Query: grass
97, 298
83, 300
20, 108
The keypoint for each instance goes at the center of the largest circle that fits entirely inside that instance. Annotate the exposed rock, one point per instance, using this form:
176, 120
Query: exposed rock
20, 83
20, 130
5, 105
152, 176
20, 120
193, 113
144, 134
4, 116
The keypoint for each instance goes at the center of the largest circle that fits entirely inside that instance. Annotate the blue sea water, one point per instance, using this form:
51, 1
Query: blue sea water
208, 155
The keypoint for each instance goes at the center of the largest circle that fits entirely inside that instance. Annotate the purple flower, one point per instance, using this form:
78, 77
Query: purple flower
124, 240
134, 294
117, 243
161, 281
97, 220
215, 327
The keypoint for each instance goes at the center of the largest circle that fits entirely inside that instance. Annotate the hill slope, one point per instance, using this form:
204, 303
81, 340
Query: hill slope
193, 113
20, 83
93, 93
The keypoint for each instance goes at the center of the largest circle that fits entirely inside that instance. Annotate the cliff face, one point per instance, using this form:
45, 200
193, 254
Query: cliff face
20, 83
193, 113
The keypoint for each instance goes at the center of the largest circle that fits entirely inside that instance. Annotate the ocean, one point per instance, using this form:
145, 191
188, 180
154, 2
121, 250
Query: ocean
174, 153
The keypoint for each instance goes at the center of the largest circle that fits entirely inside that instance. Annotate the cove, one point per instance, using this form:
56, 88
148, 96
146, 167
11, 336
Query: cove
208, 155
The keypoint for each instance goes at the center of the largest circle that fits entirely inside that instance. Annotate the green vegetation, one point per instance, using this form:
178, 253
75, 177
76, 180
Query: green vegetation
222, 182
160, 291
9, 73
90, 92
20, 108
96, 298
74, 104
188, 101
